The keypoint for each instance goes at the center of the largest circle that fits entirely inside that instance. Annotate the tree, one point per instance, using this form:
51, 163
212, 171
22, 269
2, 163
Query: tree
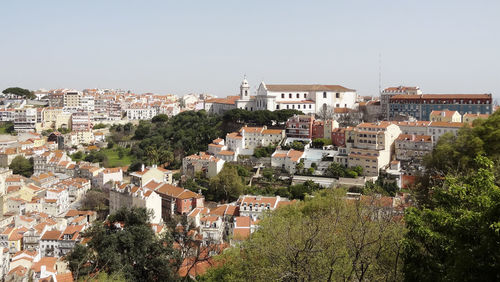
325, 113
19, 92
323, 238
96, 200
126, 244
99, 126
226, 186
457, 236
160, 118
21, 165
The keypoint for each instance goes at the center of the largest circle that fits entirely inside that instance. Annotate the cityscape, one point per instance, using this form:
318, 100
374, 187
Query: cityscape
281, 179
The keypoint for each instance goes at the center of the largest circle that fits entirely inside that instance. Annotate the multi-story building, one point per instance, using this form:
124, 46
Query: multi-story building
286, 160
87, 103
140, 111
25, 119
176, 200
469, 118
255, 206
300, 126
308, 98
56, 99
445, 116
202, 162
72, 100
413, 147
248, 138
438, 128
421, 106
372, 146
81, 121
388, 93
134, 196
154, 173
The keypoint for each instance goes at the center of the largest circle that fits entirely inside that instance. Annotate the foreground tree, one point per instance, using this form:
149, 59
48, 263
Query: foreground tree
457, 236
325, 238
126, 244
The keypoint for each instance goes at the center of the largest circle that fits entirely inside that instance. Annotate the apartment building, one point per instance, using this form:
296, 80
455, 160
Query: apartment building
411, 147
445, 116
469, 118
134, 196
372, 146
300, 126
255, 206
81, 121
72, 100
202, 162
389, 92
248, 138
421, 106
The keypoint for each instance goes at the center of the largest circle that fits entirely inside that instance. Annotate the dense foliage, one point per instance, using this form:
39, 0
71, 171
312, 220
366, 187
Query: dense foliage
337, 170
19, 92
261, 117
21, 165
126, 244
324, 238
458, 237
169, 140
454, 232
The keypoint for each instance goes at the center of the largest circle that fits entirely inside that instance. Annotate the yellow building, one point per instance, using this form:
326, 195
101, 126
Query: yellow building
372, 146
145, 175
49, 117
472, 117
445, 116
63, 120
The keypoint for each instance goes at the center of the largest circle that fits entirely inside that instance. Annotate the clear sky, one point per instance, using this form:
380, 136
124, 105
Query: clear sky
207, 46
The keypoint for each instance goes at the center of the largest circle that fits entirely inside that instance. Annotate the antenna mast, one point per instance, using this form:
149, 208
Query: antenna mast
379, 73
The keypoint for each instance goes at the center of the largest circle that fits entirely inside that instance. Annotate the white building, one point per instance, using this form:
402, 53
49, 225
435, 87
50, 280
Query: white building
308, 98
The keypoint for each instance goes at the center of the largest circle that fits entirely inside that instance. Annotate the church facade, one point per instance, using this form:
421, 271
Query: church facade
308, 98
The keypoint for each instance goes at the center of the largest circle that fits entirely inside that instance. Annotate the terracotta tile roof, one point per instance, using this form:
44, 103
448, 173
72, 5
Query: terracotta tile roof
272, 131
18, 271
65, 277
484, 116
229, 100
234, 135
241, 233
49, 263
445, 113
252, 129
51, 235
226, 153
294, 155
446, 124
416, 138
306, 87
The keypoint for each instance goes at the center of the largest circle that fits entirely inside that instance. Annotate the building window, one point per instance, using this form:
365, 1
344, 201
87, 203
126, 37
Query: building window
310, 106
324, 94
282, 95
337, 95
298, 95
305, 95
290, 95
287, 106
277, 107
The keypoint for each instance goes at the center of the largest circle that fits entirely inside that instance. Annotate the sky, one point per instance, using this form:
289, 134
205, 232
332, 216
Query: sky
183, 47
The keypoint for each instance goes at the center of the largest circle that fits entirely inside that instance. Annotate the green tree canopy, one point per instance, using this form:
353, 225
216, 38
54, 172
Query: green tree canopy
226, 186
325, 238
456, 237
126, 244
20, 92
21, 165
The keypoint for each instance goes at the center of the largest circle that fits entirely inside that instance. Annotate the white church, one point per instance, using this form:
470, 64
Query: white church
308, 98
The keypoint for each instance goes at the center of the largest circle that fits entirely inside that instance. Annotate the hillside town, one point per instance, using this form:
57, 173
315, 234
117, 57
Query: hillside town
70, 158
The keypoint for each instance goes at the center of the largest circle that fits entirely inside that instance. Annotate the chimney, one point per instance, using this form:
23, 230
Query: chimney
142, 167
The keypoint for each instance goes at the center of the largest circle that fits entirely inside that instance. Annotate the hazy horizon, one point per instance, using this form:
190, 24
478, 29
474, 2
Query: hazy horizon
207, 47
